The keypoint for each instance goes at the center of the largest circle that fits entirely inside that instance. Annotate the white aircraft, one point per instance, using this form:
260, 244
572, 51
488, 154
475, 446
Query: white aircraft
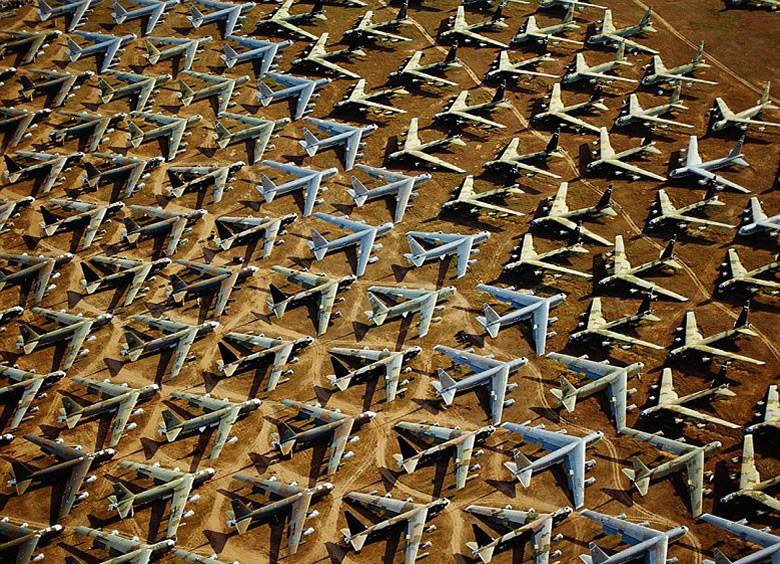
443, 245
560, 216
11, 210
309, 180
373, 362
283, 20
513, 162
104, 46
362, 234
84, 218
195, 178
101, 272
632, 112
366, 30
348, 135
171, 224
608, 157
529, 259
756, 221
255, 133
407, 301
475, 202
362, 101
614, 37
597, 328
177, 48
468, 33
24, 389
244, 355
664, 212
415, 73
128, 549
461, 113
303, 89
152, 11
769, 543
556, 110
544, 4
220, 87
657, 73
504, 69
771, 417
318, 57
579, 70
530, 31
734, 274
416, 151
399, 185
722, 117
750, 483
693, 165
229, 16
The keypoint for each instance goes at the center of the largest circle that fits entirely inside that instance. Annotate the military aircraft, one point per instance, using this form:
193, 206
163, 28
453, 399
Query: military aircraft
756, 221
218, 412
396, 184
195, 558
556, 110
461, 30
544, 4
664, 212
308, 179
176, 336
394, 512
153, 11
170, 129
303, 89
139, 88
608, 157
168, 483
562, 448
101, 272
503, 69
29, 44
693, 165
460, 113
646, 543
459, 444
360, 100
528, 259
373, 362
227, 15
194, 178
414, 73
127, 549
487, 371
130, 171
34, 274
510, 161
417, 151
209, 279
615, 37
87, 218
319, 286
530, 31
472, 202
100, 45
73, 10
318, 57
8, 314
21, 540
179, 48
348, 135
366, 30
750, 484
283, 498
119, 400
46, 168
234, 231
243, 354
769, 543
442, 245
722, 117
363, 235
95, 127
169, 223
256, 133
263, 54
72, 462
770, 4
771, 417
58, 87
220, 87
579, 70
24, 387
656, 72
620, 270
16, 122
340, 427
596, 328
407, 301
73, 329
632, 112
693, 342
603, 378
734, 274
561, 217
12, 209
282, 20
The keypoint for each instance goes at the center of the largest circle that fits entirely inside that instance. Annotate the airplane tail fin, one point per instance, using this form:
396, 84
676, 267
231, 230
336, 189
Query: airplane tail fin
153, 53
417, 256
268, 188
639, 475
187, 94
196, 17
172, 425
645, 21
566, 395
229, 55
44, 10
227, 358
736, 152
29, 337
676, 93
668, 252
120, 14
240, 515
569, 17
131, 231
178, 288
597, 556
699, 55
520, 467
265, 94
317, 7
91, 278
106, 91
379, 310
499, 13
620, 55
742, 321
764, 100
50, 221
358, 192
310, 142
552, 144
445, 387
73, 50
134, 344
12, 166
646, 307
318, 245
341, 377
122, 500
721, 558
480, 545
499, 93
70, 411
491, 321
452, 54
136, 134
278, 301
355, 533
22, 475
92, 174
407, 458
286, 438
606, 199
403, 11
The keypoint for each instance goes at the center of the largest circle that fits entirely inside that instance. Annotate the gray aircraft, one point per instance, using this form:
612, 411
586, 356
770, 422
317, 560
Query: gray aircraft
58, 87
263, 54
693, 342
416, 151
28, 44
256, 133
282, 498
579, 70
194, 178
218, 412
282, 20
656, 72
443, 245
578, 5
123, 548
152, 11
722, 117
176, 336
139, 88
556, 110
307, 179
348, 135
771, 417
8, 314
195, 558
756, 221
414, 73
171, 129
769, 4
471, 202
102, 45
340, 427
530, 31
319, 286
220, 281
503, 69
363, 235
394, 512
233, 231
734, 274
695, 166
459, 29
303, 89
460, 113
11, 210
457, 443
95, 128
561, 448
487, 371
358, 99
171, 224
595, 328
102, 272
559, 216
73, 10
227, 15
86, 218
615, 37
769, 543
221, 88
177, 48
24, 386
168, 483
399, 185
750, 484
15, 122
537, 263
664, 212
22, 540
34, 273
46, 168
373, 362
407, 301
367, 31
607, 157
632, 112
319, 58
685, 458
118, 400
513, 163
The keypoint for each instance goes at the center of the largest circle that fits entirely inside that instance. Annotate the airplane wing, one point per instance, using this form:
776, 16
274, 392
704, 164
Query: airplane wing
365, 248
177, 134
479, 38
616, 395
719, 179
280, 359
225, 290
77, 475
695, 472
136, 283
713, 351
30, 391
92, 228
427, 309
352, 149
464, 255
402, 200
297, 520
441, 163
498, 394
78, 338
338, 443
574, 468
576, 122
327, 301
633, 169
700, 416
558, 268
652, 287
462, 456
757, 536
476, 119
541, 318
392, 375
415, 526
622, 338
178, 503
163, 325
123, 413
631, 533
476, 362
182, 349
592, 369
223, 432
430, 78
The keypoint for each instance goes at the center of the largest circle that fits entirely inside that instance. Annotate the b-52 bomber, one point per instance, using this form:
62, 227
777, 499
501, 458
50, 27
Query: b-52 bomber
58, 87
471, 202
318, 57
348, 135
510, 161
757, 221
530, 31
73, 10
363, 235
150, 11
557, 111
139, 88
537, 264
227, 15
15, 122
93, 127
194, 178
750, 484
463, 31
366, 30
769, 543
416, 151
399, 185
443, 245
301, 88
414, 73
409, 301
233, 231
503, 69
694, 166
34, 273
373, 362
162, 222
256, 133
632, 112
102, 272
45, 168
722, 117
607, 157
176, 48
23, 388
102, 45
86, 219
126, 549
209, 279
616, 37
27, 44
12, 209
219, 87
596, 328
656, 72
734, 274
21, 540
580, 70
664, 212
168, 129
460, 113
282, 20
578, 5
243, 354
559, 216
263, 54
359, 100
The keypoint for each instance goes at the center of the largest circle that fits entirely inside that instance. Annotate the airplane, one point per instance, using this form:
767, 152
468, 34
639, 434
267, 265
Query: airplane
101, 272
218, 412
373, 362
603, 378
360, 100
12, 209
73, 10
71, 461
397, 184
756, 221
734, 274
209, 279
544, 4
366, 30
331, 422
560, 216
34, 274
128, 549
221, 87
646, 543
169, 223
256, 133
487, 371
30, 164
556, 110
194, 178
416, 151
750, 484
243, 354
503, 69
101, 44
597, 328
168, 483
460, 113
608, 157
414, 73
394, 512
73, 329
459, 444
195, 558
530, 260
29, 44
130, 171
769, 543
319, 286
561, 448
282, 498
169, 129
512, 162
664, 212
87, 218
657, 73
22, 540
8, 314
139, 88
407, 301
153, 11
615, 37
308, 179
95, 127
318, 57
118, 400
363, 235
232, 231
263, 54
471, 202
17, 121
442, 245
282, 20
524, 526
303, 89
179, 48
24, 386
723, 117
621, 271
530, 31
351, 136
633, 112
771, 417
694, 166
58, 87
461, 30
693, 341
227, 15
176, 336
